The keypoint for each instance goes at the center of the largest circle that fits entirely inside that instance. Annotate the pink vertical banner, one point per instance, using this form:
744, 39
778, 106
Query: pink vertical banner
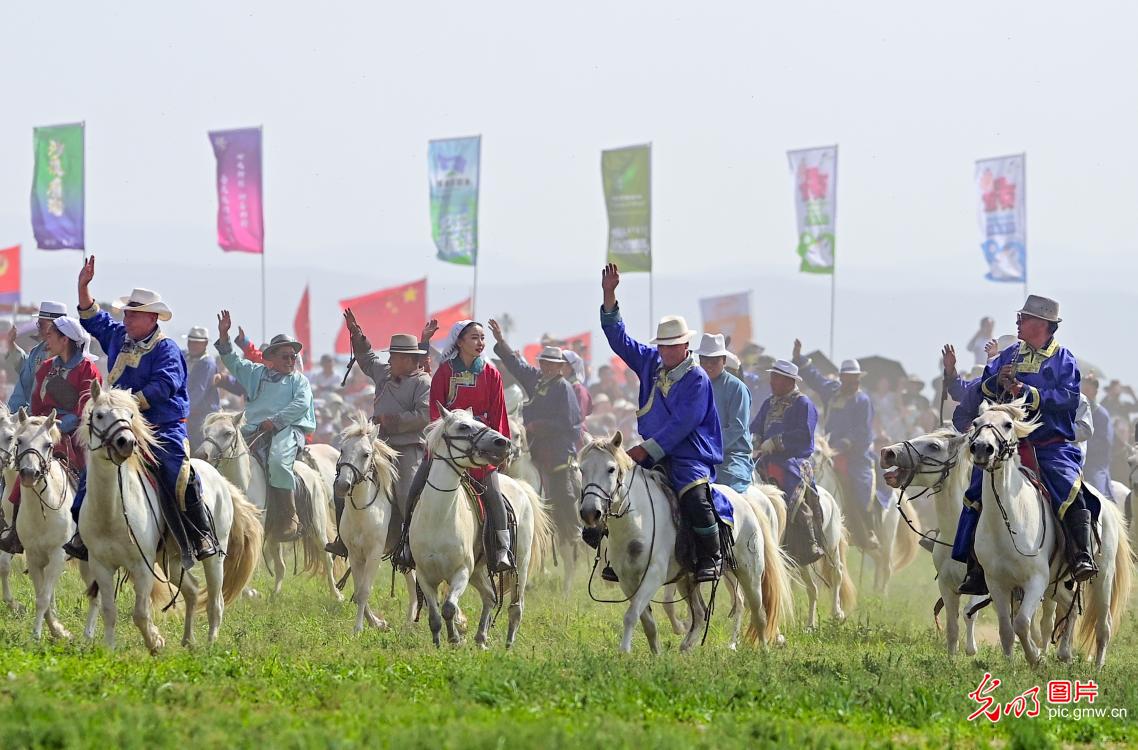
240, 219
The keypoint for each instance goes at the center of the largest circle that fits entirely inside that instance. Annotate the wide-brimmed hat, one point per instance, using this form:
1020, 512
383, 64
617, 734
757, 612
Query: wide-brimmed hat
671, 330
144, 300
197, 333
850, 367
712, 345
553, 354
733, 362
1044, 308
782, 367
404, 343
51, 310
281, 339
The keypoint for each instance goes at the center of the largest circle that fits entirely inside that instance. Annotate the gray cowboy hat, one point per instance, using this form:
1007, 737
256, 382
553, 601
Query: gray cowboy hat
281, 339
404, 343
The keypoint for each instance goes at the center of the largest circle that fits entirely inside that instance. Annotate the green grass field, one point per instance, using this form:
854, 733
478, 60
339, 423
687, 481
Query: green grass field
288, 673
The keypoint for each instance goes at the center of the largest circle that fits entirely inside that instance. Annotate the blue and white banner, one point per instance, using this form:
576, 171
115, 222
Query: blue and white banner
1003, 216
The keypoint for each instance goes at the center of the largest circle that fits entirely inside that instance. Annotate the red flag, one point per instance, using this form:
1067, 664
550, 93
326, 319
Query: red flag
302, 325
10, 274
582, 343
400, 309
530, 353
447, 317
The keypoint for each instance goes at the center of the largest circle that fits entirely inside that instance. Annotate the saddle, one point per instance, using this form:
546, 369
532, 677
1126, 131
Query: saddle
1029, 468
685, 538
474, 492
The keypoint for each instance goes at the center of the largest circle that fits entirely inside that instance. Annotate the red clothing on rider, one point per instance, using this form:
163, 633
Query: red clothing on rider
478, 388
43, 401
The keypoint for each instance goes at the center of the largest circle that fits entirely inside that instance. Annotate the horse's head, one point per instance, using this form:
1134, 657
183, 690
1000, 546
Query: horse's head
115, 426
603, 466
996, 433
221, 436
8, 427
362, 455
924, 461
35, 438
462, 440
823, 456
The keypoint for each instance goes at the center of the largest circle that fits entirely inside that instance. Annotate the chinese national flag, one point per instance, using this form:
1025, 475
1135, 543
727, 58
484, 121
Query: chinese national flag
581, 343
530, 353
400, 309
302, 325
10, 274
447, 317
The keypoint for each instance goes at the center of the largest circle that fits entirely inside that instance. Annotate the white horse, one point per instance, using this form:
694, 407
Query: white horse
365, 478
122, 526
941, 463
895, 551
1018, 543
45, 524
225, 447
635, 506
8, 479
446, 535
832, 569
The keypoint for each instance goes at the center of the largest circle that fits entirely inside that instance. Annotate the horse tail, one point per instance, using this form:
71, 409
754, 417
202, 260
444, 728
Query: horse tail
848, 592
1119, 588
905, 545
244, 545
312, 542
778, 601
543, 529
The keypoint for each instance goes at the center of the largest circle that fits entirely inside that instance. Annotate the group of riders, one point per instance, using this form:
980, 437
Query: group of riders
694, 418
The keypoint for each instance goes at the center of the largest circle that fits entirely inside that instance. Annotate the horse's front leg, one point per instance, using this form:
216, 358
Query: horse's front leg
485, 587
458, 585
952, 618
5, 580
811, 585
215, 594
105, 580
737, 607
143, 588
637, 606
970, 626
329, 563
1002, 601
189, 589
276, 555
434, 618
92, 600
696, 608
412, 597
1044, 625
52, 571
43, 602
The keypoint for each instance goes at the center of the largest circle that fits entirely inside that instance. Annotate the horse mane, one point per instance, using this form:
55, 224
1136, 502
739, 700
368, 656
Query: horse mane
823, 448
220, 416
382, 455
117, 398
1018, 412
600, 445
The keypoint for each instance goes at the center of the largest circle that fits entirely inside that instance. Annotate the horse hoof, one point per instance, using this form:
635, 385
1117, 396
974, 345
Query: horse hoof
780, 640
63, 634
381, 625
251, 594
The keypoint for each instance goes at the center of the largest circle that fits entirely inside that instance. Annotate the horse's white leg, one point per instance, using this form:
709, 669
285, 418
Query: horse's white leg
1032, 595
737, 611
489, 597
276, 552
360, 594
5, 580
458, 585
970, 628
952, 619
431, 599
105, 579
1104, 582
189, 588
43, 602
679, 627
839, 567
637, 604
412, 597
330, 573
92, 601
52, 571
144, 582
215, 603
517, 603
1002, 601
811, 584
698, 611
1042, 626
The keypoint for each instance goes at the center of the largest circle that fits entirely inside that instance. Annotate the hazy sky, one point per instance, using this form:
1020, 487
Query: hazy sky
349, 94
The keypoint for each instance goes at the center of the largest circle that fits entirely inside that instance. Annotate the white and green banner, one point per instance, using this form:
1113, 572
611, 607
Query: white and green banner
627, 175
815, 199
453, 167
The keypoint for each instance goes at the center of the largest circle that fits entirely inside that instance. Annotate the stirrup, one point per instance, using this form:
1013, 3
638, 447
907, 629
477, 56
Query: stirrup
336, 547
1084, 570
706, 570
206, 548
973, 583
10, 541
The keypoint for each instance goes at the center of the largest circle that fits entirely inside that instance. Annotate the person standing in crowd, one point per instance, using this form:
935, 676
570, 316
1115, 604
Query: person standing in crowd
979, 341
204, 398
324, 380
1096, 466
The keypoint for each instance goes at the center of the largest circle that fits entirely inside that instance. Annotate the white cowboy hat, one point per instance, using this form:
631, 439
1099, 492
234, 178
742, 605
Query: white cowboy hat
552, 354
850, 367
1041, 307
712, 345
144, 300
197, 333
51, 310
733, 362
671, 330
782, 367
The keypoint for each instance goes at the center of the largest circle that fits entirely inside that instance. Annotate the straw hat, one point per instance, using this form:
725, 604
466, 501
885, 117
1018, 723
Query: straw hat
782, 367
144, 300
672, 329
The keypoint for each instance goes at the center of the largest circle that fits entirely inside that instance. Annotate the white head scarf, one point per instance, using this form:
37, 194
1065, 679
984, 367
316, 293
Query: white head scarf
71, 328
578, 364
449, 346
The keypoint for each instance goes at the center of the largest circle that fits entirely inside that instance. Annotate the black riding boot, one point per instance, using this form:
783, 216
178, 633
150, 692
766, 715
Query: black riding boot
337, 547
1078, 524
499, 556
198, 524
175, 524
10, 540
695, 504
973, 583
401, 557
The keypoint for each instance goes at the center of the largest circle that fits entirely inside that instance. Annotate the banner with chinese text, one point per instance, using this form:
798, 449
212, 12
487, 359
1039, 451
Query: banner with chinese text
627, 176
57, 187
240, 218
453, 167
1003, 217
816, 205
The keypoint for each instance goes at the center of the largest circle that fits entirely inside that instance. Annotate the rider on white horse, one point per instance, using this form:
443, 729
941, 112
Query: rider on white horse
784, 430
1047, 375
279, 404
733, 404
402, 410
143, 360
677, 419
849, 425
27, 364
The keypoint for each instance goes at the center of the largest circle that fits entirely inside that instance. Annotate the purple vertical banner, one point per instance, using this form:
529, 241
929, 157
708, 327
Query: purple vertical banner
240, 220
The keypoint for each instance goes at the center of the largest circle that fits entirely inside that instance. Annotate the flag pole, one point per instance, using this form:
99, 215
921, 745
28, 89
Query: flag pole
474, 291
833, 295
264, 330
1023, 197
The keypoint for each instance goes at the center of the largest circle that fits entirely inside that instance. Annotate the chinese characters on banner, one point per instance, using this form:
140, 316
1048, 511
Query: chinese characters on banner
627, 176
1003, 217
729, 314
57, 187
240, 221
453, 168
816, 204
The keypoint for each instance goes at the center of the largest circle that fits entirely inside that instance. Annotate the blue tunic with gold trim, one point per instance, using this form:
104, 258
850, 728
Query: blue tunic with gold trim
677, 416
789, 421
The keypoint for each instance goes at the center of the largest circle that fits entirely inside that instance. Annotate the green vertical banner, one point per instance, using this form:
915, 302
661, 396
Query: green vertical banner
454, 166
627, 174
57, 187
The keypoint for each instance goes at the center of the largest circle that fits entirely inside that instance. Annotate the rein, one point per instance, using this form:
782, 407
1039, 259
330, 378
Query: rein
607, 512
41, 478
358, 477
941, 468
1006, 449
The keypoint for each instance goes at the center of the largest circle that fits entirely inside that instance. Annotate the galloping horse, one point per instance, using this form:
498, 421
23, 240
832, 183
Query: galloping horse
224, 446
123, 528
365, 478
1018, 543
635, 506
445, 533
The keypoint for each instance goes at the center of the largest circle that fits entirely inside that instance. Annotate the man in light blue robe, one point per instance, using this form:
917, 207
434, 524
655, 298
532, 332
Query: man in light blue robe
733, 403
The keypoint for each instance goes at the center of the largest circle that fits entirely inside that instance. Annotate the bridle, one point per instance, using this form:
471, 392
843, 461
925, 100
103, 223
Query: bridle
607, 496
1005, 449
39, 480
451, 459
105, 436
357, 478
941, 468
